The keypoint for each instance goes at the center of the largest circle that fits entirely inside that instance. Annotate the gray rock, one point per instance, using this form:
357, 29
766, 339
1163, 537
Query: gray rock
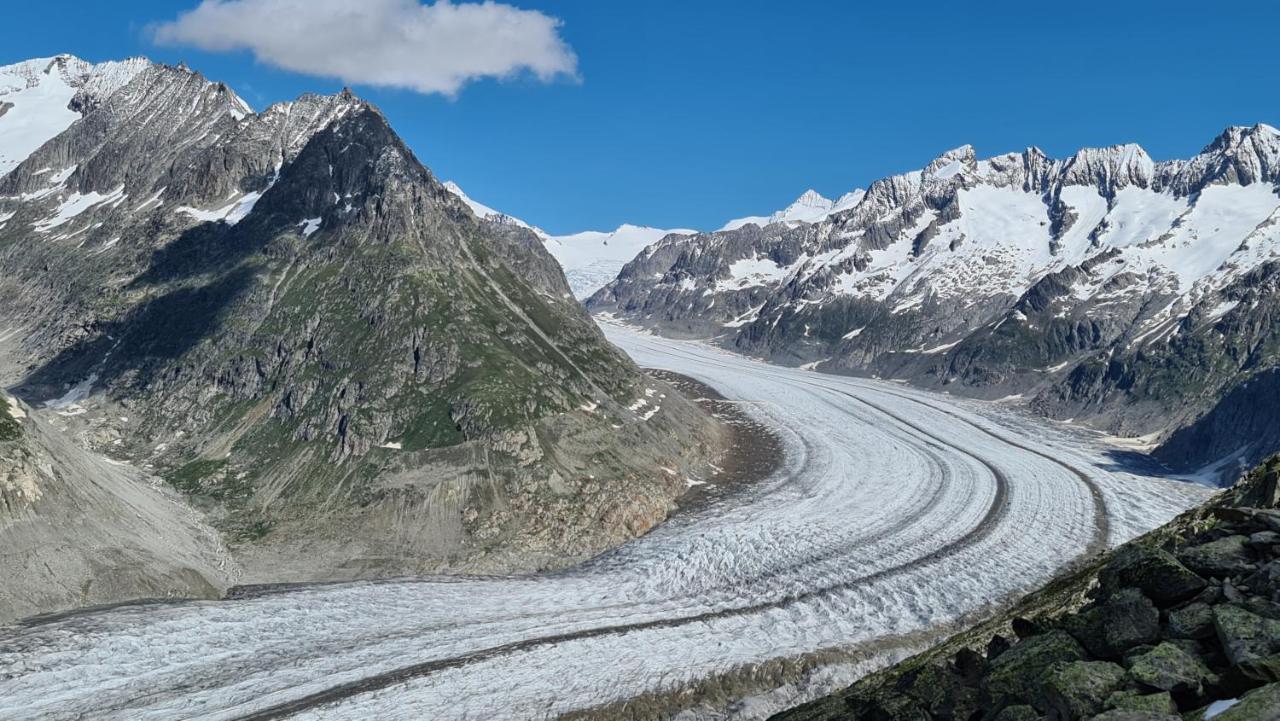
1169, 668
1017, 674
1194, 620
1079, 689
1221, 558
1129, 619
1154, 571
1245, 636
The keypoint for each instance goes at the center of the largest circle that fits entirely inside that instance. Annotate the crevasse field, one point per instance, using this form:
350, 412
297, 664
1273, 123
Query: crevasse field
873, 531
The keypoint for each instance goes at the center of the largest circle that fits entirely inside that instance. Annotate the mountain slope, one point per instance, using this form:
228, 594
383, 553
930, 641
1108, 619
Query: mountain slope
79, 529
1058, 280
324, 348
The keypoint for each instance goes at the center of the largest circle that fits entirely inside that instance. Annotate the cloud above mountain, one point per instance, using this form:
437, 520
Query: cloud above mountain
433, 48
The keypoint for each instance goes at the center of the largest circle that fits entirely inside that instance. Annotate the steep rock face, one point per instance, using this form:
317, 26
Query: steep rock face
1014, 275
324, 347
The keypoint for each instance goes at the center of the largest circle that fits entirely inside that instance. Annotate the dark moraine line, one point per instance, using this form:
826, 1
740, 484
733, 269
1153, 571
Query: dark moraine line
1102, 524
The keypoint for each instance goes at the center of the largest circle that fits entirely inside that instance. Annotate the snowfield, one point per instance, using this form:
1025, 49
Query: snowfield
895, 512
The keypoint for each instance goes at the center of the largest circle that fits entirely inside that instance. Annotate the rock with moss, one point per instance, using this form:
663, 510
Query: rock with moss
1129, 619
1219, 559
1194, 620
1154, 571
1079, 689
1131, 700
1020, 712
1261, 704
1245, 636
1125, 715
1017, 675
1169, 668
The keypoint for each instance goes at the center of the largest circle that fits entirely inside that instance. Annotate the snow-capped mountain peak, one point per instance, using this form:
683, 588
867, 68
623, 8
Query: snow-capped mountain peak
41, 97
810, 207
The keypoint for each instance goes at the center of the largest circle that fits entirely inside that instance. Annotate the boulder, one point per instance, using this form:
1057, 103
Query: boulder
1120, 715
1080, 689
1245, 636
1153, 571
1170, 668
1129, 619
1130, 700
1222, 558
1264, 540
1264, 670
1086, 627
1260, 704
1017, 674
1018, 713
1194, 620
1266, 580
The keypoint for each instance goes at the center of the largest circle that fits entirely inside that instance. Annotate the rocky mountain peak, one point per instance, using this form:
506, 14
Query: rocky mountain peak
1238, 156
811, 199
952, 162
1110, 169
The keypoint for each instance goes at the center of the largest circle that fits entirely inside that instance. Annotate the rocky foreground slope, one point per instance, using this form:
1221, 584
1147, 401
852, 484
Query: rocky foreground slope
1182, 623
289, 319
1134, 295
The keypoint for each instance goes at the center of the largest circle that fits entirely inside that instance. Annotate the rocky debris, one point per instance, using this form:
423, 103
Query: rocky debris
1183, 623
61, 506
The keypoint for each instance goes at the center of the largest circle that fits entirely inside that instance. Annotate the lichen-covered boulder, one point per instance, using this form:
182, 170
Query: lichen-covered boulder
1153, 571
1119, 715
1245, 636
1018, 713
1017, 674
1079, 689
1129, 619
1130, 700
1194, 620
1086, 627
1169, 668
1260, 704
1266, 581
1219, 559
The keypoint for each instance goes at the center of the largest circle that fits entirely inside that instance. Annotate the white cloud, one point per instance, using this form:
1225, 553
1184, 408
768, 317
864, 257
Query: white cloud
434, 48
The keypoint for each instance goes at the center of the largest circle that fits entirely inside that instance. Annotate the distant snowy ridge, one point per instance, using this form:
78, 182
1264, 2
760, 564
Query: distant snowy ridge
810, 207
590, 259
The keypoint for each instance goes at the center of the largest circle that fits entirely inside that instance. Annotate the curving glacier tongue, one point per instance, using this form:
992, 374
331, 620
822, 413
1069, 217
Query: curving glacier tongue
895, 513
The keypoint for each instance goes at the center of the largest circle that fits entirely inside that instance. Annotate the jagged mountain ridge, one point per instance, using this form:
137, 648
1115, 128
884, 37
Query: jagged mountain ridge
350, 372
1014, 275
39, 98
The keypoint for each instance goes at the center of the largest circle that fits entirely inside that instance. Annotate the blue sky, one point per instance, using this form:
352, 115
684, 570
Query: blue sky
686, 114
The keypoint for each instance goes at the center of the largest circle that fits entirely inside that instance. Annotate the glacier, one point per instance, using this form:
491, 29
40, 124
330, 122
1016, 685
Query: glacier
895, 513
